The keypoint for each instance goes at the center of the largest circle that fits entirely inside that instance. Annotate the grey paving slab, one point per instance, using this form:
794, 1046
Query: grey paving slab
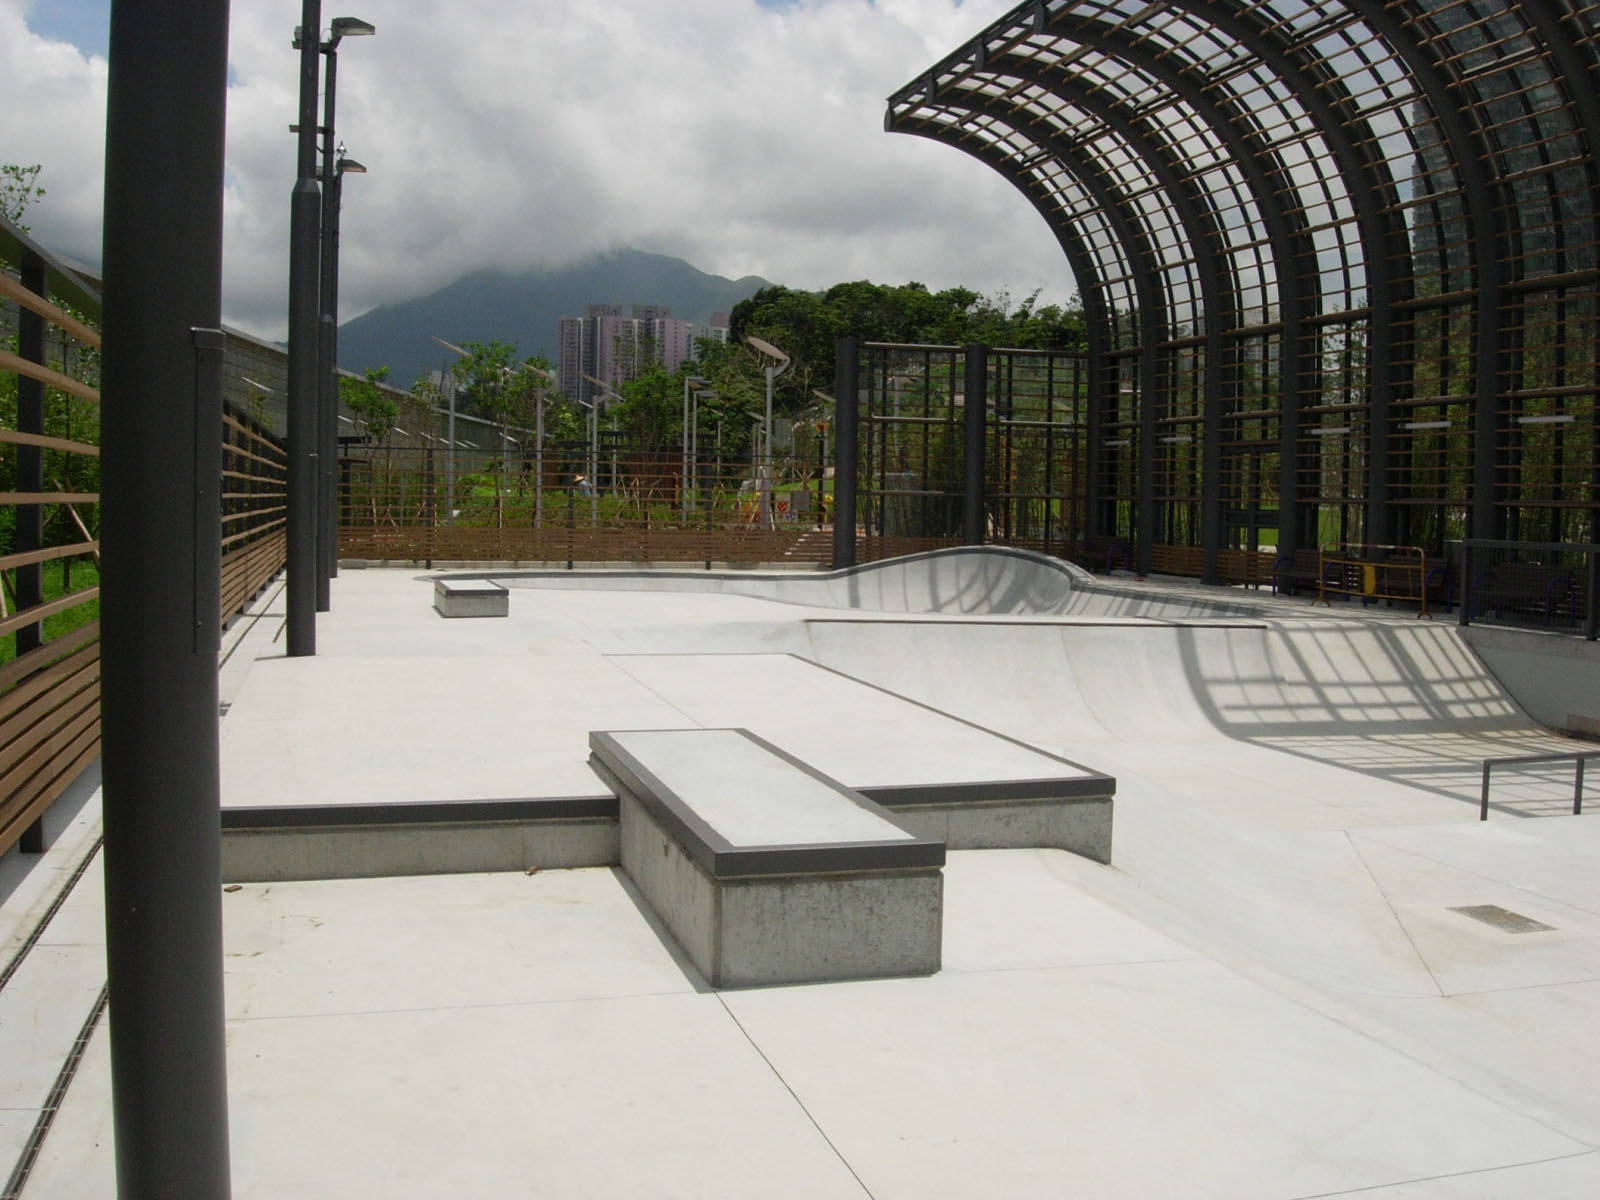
795, 705
1026, 1093
351, 946
41, 1010
1568, 1178
343, 731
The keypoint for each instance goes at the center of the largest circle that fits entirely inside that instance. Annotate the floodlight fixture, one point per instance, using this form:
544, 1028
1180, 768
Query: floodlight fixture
343, 27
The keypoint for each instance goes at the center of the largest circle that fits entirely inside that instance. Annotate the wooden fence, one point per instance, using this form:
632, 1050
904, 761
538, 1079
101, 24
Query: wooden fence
49, 518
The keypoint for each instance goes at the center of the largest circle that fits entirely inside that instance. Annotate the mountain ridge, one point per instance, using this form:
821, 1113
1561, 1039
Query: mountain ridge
524, 308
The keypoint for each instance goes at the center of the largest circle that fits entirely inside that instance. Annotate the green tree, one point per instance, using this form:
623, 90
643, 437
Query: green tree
19, 187
372, 403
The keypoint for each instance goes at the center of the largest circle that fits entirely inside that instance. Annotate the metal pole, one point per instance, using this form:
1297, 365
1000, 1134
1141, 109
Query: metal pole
1483, 795
683, 482
538, 459
161, 468
450, 450
1577, 787
1591, 629
846, 386
976, 414
304, 217
327, 341
766, 457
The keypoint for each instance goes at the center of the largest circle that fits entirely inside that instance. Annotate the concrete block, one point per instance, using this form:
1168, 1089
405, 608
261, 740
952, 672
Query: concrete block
470, 598
766, 871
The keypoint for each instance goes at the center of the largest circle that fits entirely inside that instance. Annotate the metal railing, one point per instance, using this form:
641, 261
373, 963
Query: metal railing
1577, 761
1541, 585
637, 507
1374, 573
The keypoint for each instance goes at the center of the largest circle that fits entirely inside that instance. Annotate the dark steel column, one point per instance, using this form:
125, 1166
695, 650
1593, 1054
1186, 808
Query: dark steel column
304, 215
847, 396
327, 406
328, 347
161, 433
1472, 149
976, 414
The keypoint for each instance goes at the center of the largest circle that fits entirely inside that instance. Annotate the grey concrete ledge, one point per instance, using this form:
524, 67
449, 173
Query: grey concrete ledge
721, 858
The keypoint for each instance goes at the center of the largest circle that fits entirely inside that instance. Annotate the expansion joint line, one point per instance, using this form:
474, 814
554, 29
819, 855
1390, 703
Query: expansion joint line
777, 1074
1415, 949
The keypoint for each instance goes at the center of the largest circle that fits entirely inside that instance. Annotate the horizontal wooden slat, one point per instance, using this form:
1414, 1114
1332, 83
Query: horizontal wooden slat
54, 675
49, 498
12, 289
47, 443
39, 612
48, 711
40, 657
49, 553
15, 768
29, 805
55, 379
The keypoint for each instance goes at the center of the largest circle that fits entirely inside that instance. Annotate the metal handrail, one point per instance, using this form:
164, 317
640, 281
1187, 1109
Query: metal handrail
1578, 760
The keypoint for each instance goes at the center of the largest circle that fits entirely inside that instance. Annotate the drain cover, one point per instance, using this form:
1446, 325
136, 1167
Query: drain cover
1502, 918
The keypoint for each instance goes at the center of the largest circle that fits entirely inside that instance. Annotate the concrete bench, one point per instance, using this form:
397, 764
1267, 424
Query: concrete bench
767, 871
470, 598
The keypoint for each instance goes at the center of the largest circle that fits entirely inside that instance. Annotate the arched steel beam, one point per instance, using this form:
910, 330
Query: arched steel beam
1298, 363
1220, 297
1383, 235
1097, 313
1470, 151
1152, 325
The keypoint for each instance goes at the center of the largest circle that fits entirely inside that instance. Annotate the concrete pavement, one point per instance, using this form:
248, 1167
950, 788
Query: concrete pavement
1268, 992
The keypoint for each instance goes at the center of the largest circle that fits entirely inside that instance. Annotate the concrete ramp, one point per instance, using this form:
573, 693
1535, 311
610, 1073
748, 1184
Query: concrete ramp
1065, 682
986, 579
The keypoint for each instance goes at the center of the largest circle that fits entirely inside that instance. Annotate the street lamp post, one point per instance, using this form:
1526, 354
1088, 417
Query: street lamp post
606, 393
683, 487
780, 363
539, 394
449, 433
300, 550
334, 168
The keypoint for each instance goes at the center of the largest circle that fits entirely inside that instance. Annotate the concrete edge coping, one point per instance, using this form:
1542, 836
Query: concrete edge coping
721, 859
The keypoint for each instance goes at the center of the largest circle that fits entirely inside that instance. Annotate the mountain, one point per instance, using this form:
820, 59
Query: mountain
524, 309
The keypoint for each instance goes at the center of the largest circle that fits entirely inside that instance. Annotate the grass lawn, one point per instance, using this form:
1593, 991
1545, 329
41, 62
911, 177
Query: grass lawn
84, 574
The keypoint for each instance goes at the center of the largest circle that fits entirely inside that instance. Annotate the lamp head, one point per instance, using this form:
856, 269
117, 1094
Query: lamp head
344, 27
766, 348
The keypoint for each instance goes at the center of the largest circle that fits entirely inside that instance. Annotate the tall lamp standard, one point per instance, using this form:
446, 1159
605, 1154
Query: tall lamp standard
688, 381
694, 442
540, 391
305, 206
334, 164
606, 392
447, 384
780, 363
328, 346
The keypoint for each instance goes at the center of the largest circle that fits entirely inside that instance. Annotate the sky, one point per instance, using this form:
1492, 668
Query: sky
745, 136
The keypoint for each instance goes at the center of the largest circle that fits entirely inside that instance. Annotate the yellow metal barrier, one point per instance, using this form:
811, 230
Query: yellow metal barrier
1373, 572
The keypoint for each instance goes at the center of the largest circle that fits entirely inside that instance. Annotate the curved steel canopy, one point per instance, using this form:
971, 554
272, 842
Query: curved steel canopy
1373, 221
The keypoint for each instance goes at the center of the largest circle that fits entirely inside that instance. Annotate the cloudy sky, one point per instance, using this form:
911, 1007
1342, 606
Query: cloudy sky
745, 136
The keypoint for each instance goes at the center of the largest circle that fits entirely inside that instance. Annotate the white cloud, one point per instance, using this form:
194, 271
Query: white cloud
521, 133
